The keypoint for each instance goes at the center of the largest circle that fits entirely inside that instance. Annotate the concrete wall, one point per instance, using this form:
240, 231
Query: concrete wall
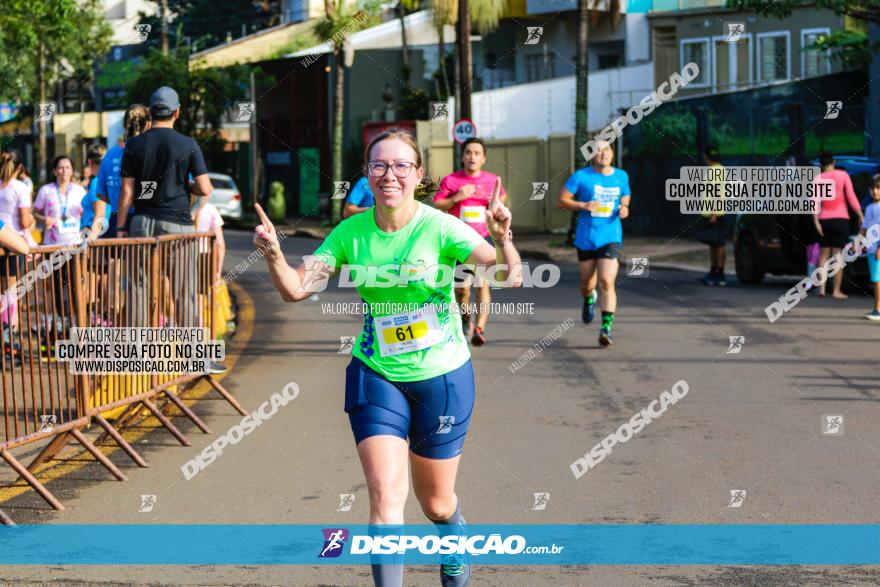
638, 38
365, 84
519, 163
546, 108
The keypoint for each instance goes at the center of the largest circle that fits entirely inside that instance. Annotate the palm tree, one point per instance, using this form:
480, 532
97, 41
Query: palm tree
404, 6
336, 26
445, 13
482, 15
585, 19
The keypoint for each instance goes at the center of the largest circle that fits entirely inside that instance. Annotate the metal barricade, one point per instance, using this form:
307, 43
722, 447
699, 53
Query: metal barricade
159, 282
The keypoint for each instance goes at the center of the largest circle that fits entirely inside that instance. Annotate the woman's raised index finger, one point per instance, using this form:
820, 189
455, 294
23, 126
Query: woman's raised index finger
264, 220
496, 193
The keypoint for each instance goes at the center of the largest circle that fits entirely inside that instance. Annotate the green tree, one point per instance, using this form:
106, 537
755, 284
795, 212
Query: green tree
43, 42
852, 48
208, 22
205, 94
340, 20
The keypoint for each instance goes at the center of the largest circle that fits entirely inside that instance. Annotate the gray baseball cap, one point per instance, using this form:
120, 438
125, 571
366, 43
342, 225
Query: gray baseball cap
164, 101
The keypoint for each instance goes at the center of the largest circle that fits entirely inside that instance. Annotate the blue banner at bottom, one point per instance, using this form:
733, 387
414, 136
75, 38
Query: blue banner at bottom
530, 544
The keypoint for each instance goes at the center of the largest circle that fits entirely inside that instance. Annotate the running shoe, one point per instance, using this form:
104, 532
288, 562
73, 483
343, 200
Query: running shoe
216, 368
454, 573
875, 315
479, 338
605, 337
588, 312
720, 280
709, 279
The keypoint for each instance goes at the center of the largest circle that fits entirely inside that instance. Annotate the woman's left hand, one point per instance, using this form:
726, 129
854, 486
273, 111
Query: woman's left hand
498, 216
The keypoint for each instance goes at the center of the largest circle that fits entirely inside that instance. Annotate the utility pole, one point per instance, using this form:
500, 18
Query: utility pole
163, 12
464, 74
465, 65
42, 127
255, 158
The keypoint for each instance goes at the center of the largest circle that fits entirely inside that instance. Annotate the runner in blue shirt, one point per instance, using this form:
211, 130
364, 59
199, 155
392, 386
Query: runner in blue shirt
87, 220
600, 195
359, 200
109, 184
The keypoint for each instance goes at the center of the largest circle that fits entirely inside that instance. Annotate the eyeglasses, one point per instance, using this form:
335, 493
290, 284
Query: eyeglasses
399, 169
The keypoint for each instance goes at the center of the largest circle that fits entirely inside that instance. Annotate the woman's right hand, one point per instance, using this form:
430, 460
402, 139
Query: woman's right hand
265, 237
50, 222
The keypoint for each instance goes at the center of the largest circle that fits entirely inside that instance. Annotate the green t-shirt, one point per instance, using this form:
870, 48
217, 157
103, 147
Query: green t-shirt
431, 238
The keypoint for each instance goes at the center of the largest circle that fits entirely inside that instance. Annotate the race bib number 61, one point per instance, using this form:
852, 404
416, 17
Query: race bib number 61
407, 332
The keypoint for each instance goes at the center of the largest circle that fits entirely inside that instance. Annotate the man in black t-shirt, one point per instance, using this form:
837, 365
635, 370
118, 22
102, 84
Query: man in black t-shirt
155, 169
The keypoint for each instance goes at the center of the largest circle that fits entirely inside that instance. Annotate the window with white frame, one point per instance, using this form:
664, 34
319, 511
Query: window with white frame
774, 56
814, 62
540, 67
697, 51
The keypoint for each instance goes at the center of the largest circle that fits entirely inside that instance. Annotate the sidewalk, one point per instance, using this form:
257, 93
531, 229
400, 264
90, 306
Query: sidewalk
680, 254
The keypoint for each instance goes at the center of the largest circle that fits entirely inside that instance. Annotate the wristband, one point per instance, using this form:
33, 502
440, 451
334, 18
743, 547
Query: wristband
503, 241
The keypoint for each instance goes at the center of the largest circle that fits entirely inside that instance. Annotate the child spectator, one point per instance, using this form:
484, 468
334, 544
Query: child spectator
872, 217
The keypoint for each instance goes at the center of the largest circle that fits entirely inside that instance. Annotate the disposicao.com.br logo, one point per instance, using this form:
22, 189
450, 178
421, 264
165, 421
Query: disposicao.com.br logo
334, 540
319, 270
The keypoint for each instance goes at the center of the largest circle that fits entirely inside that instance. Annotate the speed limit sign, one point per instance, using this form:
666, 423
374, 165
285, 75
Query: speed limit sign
463, 130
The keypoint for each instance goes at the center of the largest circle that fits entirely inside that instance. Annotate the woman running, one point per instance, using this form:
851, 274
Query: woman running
410, 376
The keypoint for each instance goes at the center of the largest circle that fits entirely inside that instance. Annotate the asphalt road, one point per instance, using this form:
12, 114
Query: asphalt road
751, 421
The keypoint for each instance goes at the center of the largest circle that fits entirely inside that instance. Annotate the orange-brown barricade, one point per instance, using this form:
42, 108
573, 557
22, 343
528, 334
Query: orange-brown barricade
164, 281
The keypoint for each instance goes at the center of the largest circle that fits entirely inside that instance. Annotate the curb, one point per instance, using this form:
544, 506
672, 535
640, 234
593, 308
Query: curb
545, 256
307, 232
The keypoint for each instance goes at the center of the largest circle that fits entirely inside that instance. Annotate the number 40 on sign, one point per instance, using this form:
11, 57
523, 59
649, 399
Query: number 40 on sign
463, 130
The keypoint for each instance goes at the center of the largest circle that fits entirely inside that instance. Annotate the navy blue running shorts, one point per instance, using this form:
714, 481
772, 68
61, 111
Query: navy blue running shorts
433, 413
609, 251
